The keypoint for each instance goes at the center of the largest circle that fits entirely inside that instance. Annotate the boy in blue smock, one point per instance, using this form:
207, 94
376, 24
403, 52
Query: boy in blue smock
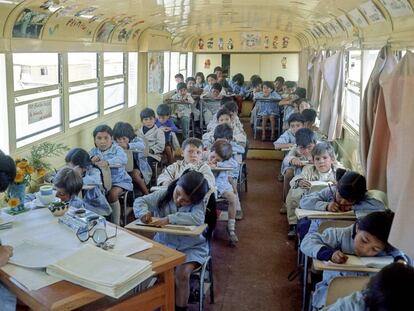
167, 125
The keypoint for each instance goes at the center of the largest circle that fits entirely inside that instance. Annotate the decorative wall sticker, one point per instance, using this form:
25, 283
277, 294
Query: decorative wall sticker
95, 18
210, 43
220, 43
230, 44
86, 11
53, 29
357, 18
155, 72
275, 42
207, 63
30, 23
266, 42
47, 4
200, 43
250, 40
284, 62
105, 31
79, 24
398, 8
124, 35
371, 12
343, 19
66, 11
285, 42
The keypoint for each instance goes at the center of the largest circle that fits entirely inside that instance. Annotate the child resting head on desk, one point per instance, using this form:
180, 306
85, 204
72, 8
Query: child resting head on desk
389, 290
68, 183
367, 238
180, 204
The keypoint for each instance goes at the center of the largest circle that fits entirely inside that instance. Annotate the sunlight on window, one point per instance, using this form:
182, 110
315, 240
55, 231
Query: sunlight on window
132, 79
175, 68
82, 66
4, 129
113, 64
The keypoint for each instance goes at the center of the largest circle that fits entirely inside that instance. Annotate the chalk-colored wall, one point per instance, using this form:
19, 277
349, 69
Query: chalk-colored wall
205, 63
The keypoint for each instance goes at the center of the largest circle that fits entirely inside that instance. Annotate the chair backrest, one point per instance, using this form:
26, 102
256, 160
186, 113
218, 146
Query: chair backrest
130, 164
334, 224
343, 286
106, 178
379, 195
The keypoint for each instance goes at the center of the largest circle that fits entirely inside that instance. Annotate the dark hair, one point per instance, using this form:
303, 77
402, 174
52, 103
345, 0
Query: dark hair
193, 142
7, 171
194, 185
190, 79
103, 128
231, 106
309, 115
179, 75
217, 86
212, 75
238, 78
321, 148
291, 84
296, 117
391, 289
147, 113
181, 85
352, 186
223, 111
223, 149
256, 81
124, 129
223, 131
69, 179
78, 157
218, 68
304, 137
301, 92
200, 74
378, 224
269, 84
254, 77
163, 110
280, 79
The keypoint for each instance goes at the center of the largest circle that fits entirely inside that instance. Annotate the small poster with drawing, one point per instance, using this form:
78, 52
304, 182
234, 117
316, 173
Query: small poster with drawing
30, 23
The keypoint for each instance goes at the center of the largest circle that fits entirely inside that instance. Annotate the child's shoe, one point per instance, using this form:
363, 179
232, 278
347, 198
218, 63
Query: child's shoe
231, 230
239, 215
292, 232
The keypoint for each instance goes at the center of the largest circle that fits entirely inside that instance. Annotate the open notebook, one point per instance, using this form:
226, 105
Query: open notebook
302, 213
102, 271
369, 262
6, 221
169, 226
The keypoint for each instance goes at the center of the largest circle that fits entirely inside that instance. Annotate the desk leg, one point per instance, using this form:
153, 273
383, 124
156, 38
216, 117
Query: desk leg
169, 281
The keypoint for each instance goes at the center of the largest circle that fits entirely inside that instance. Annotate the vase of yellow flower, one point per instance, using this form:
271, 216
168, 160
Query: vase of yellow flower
17, 189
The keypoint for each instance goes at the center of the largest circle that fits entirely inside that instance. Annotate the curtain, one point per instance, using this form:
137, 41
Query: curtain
331, 105
316, 75
398, 91
304, 56
373, 126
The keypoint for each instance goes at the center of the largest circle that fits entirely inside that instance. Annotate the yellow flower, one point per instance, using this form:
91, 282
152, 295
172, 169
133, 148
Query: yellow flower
41, 172
19, 176
30, 169
22, 164
13, 202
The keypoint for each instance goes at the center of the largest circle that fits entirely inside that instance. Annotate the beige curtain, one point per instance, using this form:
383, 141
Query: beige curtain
398, 90
331, 105
316, 76
304, 56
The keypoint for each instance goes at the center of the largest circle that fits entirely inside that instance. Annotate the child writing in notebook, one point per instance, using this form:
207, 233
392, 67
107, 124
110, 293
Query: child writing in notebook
389, 290
180, 204
235, 120
68, 183
287, 140
127, 139
182, 112
366, 238
166, 124
323, 169
94, 197
107, 154
212, 102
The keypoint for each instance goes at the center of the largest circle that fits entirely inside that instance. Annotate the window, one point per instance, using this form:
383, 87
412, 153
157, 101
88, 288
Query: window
83, 88
132, 79
174, 69
114, 84
353, 88
37, 96
369, 58
4, 128
190, 64
167, 72
183, 64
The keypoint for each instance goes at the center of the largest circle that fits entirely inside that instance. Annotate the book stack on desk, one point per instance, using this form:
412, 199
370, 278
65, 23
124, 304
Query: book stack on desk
102, 271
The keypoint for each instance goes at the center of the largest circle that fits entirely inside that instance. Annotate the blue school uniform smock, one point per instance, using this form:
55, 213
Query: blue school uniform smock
194, 247
322, 245
137, 146
169, 123
267, 108
115, 156
286, 138
94, 198
352, 302
7, 299
222, 177
237, 89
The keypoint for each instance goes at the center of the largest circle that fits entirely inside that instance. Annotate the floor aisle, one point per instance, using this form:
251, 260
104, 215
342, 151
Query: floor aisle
253, 275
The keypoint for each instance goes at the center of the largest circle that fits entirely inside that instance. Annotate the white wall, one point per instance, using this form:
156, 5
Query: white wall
214, 59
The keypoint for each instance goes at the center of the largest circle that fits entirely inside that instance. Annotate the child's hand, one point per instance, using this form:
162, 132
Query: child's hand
95, 159
333, 207
146, 219
304, 184
161, 222
102, 163
5, 253
296, 162
339, 257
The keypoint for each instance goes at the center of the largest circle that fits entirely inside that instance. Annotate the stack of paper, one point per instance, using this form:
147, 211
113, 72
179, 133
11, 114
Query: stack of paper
302, 213
6, 221
169, 226
359, 262
102, 271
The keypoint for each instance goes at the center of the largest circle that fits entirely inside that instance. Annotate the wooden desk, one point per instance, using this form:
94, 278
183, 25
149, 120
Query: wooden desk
138, 228
221, 169
311, 214
68, 296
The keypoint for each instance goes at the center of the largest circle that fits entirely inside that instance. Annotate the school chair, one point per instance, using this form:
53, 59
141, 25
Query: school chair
343, 286
125, 210
242, 178
213, 106
257, 125
173, 104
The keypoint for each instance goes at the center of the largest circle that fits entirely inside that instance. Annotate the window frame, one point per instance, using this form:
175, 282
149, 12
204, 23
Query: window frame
353, 87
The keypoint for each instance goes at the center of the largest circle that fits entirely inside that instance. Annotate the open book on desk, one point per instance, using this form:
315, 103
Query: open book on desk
312, 214
138, 225
318, 185
169, 226
357, 263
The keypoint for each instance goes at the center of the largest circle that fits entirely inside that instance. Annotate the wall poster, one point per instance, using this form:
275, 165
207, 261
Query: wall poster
155, 72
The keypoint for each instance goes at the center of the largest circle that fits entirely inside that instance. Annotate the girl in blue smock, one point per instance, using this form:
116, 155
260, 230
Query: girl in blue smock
180, 204
108, 154
94, 195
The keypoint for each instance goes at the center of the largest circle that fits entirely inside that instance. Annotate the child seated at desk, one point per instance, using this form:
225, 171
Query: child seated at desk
297, 158
181, 113
350, 193
7, 299
235, 120
152, 135
390, 289
192, 151
94, 198
286, 104
267, 107
367, 238
166, 124
287, 140
179, 78
68, 183
303, 104
237, 84
212, 102
310, 119
127, 139
108, 154
323, 169
221, 156
279, 82
200, 80
180, 204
